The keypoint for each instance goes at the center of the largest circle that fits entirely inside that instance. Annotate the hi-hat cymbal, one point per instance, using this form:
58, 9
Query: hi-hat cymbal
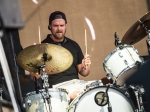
58, 59
137, 31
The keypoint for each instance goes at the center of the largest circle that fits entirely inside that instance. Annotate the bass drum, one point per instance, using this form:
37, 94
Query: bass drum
117, 100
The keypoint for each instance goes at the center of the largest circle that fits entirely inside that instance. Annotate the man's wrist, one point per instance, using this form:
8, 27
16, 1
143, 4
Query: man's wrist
84, 68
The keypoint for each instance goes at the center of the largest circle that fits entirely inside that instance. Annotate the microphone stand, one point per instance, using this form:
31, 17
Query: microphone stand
105, 94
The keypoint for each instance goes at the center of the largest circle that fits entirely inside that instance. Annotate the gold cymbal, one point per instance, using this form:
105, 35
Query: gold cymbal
137, 31
58, 59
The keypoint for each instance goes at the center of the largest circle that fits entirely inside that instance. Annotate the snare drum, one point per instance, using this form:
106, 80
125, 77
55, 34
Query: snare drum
55, 100
87, 102
119, 62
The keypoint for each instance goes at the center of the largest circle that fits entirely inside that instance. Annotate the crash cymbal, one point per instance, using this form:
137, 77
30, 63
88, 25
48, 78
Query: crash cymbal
137, 31
58, 59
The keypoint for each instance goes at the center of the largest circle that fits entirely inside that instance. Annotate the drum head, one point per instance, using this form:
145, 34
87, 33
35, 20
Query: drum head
120, 80
118, 101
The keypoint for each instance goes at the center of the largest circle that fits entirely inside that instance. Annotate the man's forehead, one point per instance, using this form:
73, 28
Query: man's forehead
58, 21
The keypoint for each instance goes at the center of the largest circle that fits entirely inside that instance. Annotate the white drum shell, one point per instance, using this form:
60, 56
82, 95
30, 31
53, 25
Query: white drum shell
86, 103
121, 60
59, 101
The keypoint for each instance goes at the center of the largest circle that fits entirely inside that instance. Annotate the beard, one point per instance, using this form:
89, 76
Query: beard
59, 35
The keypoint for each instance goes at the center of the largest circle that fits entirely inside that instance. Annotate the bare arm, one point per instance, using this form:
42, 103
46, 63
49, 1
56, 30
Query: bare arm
32, 74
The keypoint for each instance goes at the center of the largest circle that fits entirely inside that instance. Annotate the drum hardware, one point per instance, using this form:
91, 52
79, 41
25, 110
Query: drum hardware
111, 78
93, 85
143, 24
138, 91
117, 41
135, 92
44, 77
148, 41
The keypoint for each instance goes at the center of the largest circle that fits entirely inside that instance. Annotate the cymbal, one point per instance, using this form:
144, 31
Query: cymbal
57, 58
137, 31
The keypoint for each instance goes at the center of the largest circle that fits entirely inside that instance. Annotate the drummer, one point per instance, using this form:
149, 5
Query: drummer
68, 79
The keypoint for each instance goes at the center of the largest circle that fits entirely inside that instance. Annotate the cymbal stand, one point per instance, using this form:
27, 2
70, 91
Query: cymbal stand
148, 41
44, 77
148, 32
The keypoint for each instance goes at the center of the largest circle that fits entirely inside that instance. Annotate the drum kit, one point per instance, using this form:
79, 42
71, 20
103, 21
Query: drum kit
115, 96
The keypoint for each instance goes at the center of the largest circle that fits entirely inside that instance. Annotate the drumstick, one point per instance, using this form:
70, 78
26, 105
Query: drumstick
85, 43
39, 35
85, 48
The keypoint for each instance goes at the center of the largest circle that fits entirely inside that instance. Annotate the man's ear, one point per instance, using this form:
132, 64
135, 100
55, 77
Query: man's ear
49, 27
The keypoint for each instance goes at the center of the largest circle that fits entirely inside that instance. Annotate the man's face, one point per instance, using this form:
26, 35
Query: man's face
58, 28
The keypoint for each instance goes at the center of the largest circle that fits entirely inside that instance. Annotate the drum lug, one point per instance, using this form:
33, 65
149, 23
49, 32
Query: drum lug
24, 105
109, 69
126, 62
108, 76
135, 50
127, 94
29, 102
142, 59
120, 54
61, 96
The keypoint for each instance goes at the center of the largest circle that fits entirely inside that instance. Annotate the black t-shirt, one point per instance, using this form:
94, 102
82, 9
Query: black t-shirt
72, 72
